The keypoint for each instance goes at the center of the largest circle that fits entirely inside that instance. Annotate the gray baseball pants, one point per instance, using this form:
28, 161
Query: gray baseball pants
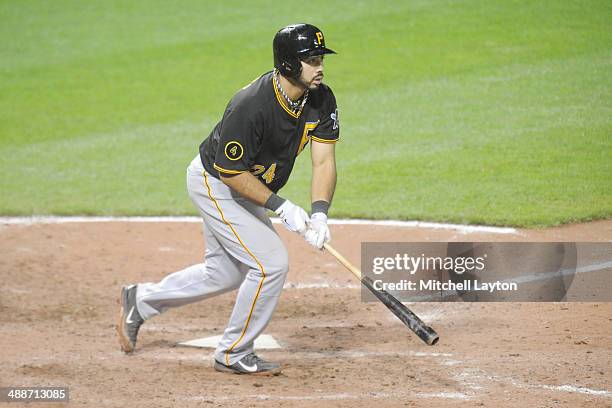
243, 251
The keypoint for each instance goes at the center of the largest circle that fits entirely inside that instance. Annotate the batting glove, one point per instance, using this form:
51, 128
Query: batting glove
318, 233
293, 217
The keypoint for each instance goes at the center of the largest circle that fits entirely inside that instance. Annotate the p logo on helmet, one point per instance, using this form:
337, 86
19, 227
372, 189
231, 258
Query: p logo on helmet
295, 43
319, 37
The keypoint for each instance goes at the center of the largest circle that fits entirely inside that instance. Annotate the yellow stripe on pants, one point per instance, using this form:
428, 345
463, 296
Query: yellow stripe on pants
261, 268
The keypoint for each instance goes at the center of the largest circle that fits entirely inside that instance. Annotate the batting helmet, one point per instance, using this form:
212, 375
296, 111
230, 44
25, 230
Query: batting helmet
296, 42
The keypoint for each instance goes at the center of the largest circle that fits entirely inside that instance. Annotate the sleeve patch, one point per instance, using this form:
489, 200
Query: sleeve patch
336, 119
233, 150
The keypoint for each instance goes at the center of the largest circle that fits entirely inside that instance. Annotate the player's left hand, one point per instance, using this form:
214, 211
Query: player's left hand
318, 233
294, 218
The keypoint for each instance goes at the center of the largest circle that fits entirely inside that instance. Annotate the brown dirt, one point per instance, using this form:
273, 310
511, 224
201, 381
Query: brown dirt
58, 303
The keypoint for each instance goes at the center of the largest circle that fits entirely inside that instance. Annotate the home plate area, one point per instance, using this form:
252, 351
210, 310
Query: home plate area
348, 363
59, 303
263, 342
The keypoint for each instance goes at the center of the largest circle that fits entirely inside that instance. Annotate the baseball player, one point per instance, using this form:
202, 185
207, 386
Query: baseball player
242, 164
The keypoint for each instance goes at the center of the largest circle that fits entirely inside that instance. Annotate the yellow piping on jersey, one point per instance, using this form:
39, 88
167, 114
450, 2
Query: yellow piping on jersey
316, 139
259, 265
222, 170
280, 101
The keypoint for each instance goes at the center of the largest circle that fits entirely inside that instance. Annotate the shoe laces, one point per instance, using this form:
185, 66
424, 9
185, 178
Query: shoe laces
252, 359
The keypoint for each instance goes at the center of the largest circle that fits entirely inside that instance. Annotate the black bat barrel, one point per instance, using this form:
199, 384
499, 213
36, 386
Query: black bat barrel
425, 333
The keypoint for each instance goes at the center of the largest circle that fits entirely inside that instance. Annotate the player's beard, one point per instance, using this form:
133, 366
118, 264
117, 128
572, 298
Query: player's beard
310, 85
314, 85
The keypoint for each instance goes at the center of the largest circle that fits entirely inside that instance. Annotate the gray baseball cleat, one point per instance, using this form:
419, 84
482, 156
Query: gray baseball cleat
129, 319
250, 364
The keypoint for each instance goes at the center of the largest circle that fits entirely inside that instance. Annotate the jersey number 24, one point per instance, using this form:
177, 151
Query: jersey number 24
268, 175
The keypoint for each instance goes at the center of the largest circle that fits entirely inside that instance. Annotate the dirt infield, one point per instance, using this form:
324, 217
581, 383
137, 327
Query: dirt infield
58, 306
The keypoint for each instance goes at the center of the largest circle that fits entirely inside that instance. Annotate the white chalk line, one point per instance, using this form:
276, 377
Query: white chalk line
333, 397
561, 273
388, 223
353, 354
563, 388
524, 279
446, 294
303, 355
580, 390
320, 285
16, 291
479, 374
171, 328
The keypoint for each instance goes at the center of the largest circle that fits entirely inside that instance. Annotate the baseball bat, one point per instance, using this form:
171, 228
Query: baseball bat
407, 316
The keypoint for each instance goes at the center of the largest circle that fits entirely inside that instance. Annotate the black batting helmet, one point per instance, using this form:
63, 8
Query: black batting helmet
296, 42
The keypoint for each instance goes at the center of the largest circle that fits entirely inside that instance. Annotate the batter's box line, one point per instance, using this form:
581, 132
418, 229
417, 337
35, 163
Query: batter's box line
333, 397
320, 285
478, 374
303, 355
348, 354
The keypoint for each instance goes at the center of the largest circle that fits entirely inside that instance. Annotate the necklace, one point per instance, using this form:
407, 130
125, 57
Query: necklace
296, 106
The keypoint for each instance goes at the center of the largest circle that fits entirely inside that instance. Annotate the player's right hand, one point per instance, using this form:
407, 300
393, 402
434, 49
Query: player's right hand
293, 217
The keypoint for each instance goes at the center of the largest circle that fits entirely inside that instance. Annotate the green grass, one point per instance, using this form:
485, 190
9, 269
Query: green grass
492, 112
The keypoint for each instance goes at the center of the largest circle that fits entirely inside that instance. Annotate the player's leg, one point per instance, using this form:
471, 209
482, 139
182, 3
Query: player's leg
247, 234
219, 273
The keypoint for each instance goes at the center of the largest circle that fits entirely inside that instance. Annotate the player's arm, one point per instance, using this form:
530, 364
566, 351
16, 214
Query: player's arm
322, 191
323, 172
248, 186
323, 154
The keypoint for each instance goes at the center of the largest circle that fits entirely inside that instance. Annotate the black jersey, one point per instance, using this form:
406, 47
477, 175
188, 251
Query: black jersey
259, 134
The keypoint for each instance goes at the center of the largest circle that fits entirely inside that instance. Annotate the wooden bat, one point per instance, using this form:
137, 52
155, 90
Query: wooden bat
414, 323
